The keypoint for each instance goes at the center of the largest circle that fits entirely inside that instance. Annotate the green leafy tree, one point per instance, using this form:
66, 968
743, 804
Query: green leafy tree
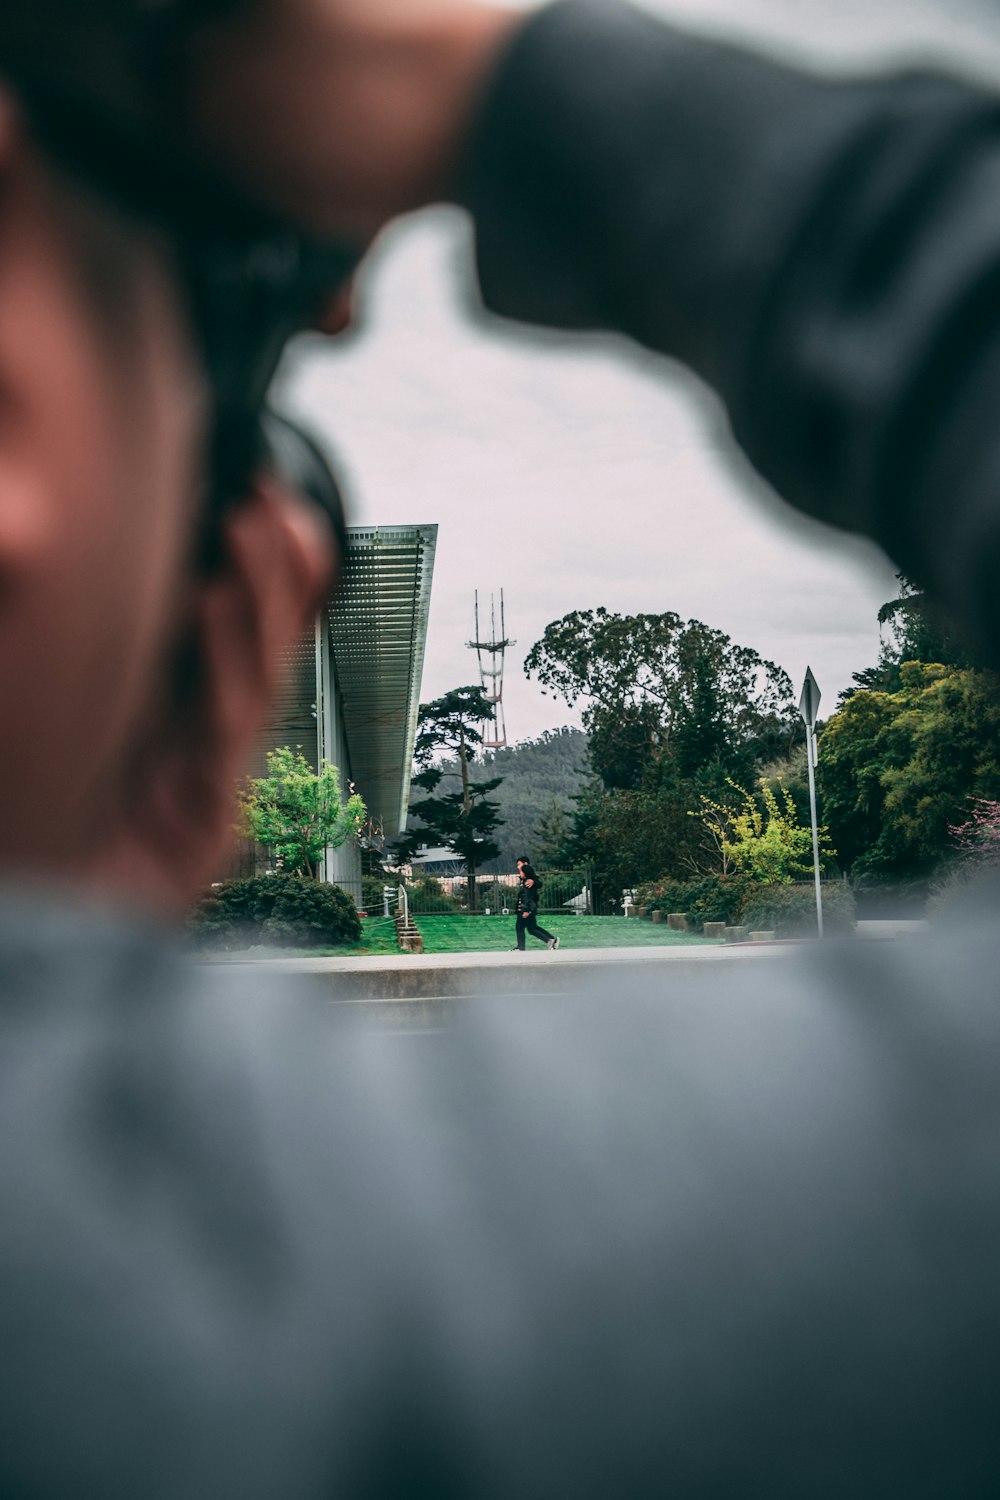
673, 709
658, 690
300, 812
463, 820
629, 836
898, 771
912, 629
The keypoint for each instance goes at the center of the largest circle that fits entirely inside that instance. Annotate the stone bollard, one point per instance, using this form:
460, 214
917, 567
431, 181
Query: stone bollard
657, 914
736, 934
762, 937
677, 921
715, 929
643, 913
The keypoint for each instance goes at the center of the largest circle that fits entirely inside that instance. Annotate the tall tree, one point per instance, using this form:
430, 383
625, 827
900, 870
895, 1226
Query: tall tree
656, 688
299, 811
673, 709
912, 629
630, 836
897, 771
465, 820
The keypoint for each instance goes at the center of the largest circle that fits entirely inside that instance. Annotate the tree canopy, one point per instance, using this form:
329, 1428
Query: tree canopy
897, 770
299, 811
912, 629
658, 689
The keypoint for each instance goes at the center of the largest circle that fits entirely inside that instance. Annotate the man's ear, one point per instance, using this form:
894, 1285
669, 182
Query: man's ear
279, 563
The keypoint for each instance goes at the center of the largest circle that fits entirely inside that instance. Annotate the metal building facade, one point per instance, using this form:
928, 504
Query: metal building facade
352, 689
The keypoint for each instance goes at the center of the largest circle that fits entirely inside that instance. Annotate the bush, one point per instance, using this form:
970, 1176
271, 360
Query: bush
952, 886
306, 914
790, 910
276, 910
878, 897
429, 896
706, 898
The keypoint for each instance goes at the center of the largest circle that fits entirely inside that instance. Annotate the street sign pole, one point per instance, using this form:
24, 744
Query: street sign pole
808, 708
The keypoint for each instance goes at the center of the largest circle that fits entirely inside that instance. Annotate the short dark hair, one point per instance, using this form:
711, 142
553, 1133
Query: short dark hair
111, 51
523, 859
103, 82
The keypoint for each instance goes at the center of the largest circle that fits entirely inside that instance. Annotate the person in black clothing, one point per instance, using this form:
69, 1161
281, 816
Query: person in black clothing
527, 906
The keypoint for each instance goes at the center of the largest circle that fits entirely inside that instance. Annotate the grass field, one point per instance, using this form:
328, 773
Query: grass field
461, 934
495, 934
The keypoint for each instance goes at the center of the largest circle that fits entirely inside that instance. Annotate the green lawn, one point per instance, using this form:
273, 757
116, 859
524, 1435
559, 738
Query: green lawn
378, 935
464, 934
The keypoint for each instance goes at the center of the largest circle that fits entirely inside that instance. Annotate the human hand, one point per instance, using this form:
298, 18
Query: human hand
344, 113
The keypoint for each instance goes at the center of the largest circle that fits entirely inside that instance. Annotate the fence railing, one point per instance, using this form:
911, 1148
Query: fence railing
564, 891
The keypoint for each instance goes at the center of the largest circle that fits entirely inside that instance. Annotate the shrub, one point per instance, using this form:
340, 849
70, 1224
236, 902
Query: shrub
790, 910
429, 896
761, 836
308, 915
277, 910
880, 897
705, 898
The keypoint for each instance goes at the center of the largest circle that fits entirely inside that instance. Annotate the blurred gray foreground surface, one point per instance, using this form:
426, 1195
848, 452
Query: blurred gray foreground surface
729, 1232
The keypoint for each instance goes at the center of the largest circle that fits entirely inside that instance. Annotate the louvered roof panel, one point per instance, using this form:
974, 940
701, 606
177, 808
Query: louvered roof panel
378, 634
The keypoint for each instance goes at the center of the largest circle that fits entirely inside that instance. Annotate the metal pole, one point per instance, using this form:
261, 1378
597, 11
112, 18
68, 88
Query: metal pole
321, 745
811, 746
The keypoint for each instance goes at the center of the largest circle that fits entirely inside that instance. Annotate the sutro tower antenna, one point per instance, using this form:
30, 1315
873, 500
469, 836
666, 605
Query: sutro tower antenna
490, 655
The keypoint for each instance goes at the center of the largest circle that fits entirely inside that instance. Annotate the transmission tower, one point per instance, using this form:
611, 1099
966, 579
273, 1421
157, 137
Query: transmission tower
490, 655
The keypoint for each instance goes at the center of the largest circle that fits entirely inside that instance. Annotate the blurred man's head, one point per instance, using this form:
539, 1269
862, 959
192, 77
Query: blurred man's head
131, 680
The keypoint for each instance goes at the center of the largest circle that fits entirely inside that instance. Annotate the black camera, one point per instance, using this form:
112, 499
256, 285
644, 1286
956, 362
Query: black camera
297, 459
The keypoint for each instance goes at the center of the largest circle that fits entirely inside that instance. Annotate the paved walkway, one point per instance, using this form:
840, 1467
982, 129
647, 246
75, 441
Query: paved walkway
412, 963
419, 986
415, 980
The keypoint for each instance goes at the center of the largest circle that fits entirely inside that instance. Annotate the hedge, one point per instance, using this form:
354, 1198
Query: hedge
705, 898
275, 911
790, 910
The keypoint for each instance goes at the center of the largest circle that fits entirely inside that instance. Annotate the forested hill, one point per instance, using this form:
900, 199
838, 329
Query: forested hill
540, 776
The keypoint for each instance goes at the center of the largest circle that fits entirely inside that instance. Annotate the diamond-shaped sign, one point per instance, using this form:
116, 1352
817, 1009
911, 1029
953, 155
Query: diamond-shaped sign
809, 702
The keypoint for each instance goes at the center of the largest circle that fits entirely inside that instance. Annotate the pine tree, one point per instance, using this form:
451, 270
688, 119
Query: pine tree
463, 821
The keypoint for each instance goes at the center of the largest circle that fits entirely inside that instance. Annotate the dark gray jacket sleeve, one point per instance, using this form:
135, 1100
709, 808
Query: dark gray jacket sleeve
826, 254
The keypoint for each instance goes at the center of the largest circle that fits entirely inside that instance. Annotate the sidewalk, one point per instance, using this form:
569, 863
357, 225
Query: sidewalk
412, 978
417, 989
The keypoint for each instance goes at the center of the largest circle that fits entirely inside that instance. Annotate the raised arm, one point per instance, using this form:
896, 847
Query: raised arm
826, 254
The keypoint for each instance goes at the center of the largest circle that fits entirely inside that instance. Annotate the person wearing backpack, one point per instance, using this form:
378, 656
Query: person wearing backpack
527, 906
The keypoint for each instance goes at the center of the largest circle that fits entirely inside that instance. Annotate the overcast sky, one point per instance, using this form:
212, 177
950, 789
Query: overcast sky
582, 474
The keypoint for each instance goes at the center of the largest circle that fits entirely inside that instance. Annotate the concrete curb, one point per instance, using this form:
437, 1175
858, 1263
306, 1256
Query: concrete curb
415, 979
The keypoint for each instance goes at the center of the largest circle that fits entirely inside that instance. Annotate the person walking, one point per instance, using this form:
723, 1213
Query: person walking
527, 906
